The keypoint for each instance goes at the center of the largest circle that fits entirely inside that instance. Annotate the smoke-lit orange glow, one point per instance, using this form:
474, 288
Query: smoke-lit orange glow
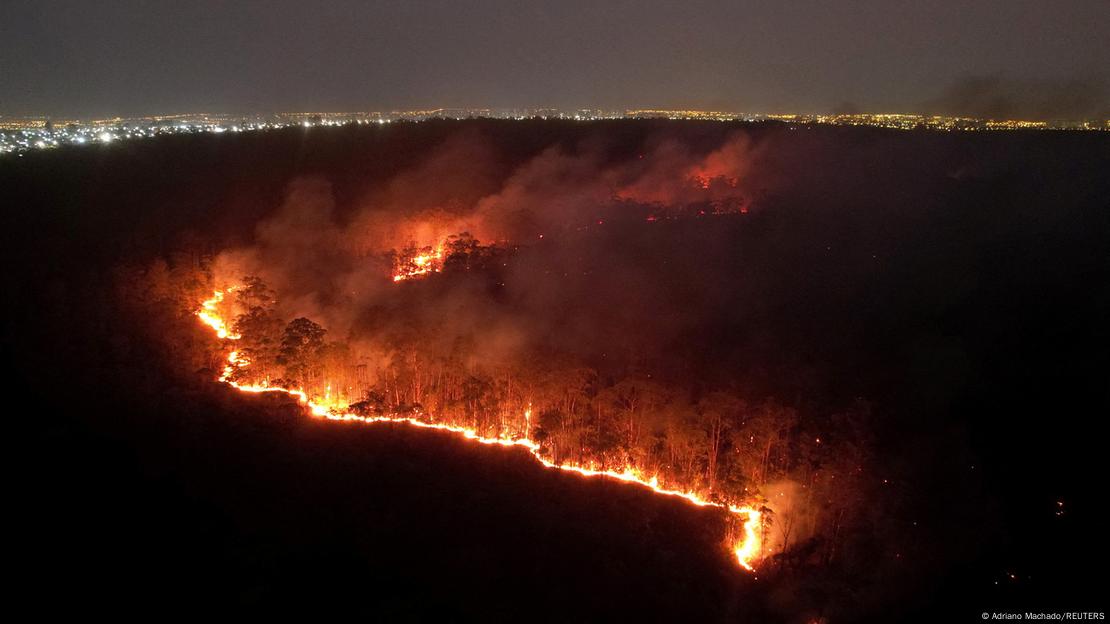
746, 549
421, 264
703, 180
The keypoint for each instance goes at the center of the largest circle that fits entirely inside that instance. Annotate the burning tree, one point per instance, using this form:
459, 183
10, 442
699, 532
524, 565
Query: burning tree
302, 352
260, 330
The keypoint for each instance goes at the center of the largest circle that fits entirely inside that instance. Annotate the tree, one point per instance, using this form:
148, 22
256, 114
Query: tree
259, 328
302, 350
718, 411
764, 439
254, 293
459, 251
631, 398
548, 430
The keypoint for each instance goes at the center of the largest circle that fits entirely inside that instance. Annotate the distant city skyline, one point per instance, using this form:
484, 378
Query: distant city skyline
1010, 59
23, 134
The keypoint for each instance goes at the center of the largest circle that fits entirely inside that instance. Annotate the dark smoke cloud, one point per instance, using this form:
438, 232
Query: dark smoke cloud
1000, 97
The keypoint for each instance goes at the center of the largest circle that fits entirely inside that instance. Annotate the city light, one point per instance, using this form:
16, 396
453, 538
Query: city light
22, 134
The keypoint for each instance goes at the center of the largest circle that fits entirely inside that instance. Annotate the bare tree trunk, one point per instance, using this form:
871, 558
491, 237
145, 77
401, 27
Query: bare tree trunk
766, 460
787, 527
714, 450
417, 387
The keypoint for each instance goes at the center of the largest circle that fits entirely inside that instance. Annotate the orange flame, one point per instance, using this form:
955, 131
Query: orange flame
209, 314
746, 549
420, 264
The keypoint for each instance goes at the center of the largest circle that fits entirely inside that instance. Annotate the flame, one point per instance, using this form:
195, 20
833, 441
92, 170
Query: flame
703, 180
746, 549
420, 264
209, 314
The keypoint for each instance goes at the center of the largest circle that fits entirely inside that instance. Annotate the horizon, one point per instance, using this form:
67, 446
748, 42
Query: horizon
532, 112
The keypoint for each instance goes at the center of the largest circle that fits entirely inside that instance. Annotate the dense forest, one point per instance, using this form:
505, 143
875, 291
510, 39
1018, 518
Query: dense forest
845, 327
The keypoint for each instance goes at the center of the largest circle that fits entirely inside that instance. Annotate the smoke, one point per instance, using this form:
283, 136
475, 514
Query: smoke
430, 200
715, 176
793, 519
1000, 97
333, 265
463, 186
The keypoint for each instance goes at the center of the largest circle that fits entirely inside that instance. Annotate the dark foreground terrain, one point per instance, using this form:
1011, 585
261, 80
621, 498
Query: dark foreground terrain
982, 342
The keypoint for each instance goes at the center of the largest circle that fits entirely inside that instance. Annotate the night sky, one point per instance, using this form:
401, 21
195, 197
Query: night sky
1027, 58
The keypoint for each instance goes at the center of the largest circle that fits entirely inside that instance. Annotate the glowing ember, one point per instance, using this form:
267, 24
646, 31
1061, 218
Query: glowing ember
746, 549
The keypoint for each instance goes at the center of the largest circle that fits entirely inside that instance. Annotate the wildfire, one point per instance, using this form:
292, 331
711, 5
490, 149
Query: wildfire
423, 263
704, 180
746, 549
209, 314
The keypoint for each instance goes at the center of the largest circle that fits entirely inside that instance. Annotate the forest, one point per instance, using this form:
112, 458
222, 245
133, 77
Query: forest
809, 486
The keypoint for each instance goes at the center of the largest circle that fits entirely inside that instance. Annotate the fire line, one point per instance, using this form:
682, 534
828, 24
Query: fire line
746, 549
